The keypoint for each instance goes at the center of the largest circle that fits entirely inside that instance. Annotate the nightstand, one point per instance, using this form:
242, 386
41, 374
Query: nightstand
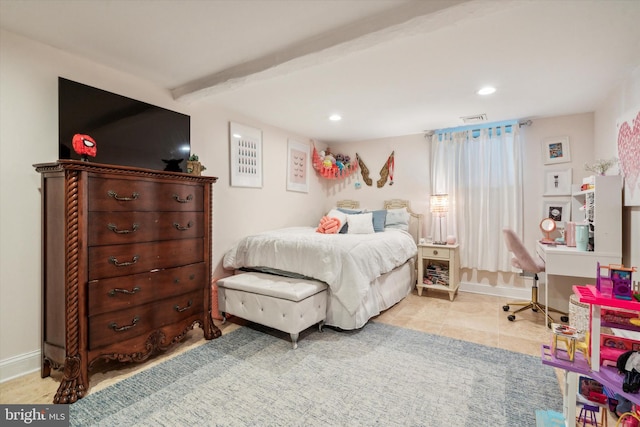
438, 268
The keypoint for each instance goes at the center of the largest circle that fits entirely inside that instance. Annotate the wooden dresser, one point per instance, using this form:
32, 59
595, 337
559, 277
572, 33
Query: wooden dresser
126, 265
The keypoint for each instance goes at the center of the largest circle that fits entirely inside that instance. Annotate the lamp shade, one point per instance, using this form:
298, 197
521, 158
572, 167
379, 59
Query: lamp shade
439, 203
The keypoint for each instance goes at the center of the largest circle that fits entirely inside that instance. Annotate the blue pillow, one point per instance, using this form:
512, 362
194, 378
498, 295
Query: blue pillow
345, 227
379, 218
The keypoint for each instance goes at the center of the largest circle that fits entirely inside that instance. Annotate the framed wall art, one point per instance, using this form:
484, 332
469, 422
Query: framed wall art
629, 155
558, 209
556, 150
245, 152
557, 182
298, 166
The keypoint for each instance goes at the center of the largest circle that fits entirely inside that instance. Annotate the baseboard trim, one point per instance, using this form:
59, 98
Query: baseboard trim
497, 291
17, 366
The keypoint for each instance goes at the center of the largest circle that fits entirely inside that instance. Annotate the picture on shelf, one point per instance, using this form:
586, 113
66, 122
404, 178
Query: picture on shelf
557, 182
556, 150
557, 209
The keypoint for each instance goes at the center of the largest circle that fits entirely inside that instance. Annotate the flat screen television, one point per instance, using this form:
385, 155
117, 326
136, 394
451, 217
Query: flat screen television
126, 131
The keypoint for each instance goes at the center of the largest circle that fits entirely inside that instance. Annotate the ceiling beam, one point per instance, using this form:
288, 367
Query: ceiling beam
406, 19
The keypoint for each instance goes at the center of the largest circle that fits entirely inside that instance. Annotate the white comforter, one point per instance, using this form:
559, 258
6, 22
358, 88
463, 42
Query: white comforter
346, 262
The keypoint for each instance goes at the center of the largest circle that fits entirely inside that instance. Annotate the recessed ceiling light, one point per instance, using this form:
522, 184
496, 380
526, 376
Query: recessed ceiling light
335, 117
488, 90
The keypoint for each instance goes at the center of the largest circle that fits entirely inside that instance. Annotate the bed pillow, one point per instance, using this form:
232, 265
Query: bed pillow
345, 228
328, 225
379, 219
341, 216
398, 218
360, 223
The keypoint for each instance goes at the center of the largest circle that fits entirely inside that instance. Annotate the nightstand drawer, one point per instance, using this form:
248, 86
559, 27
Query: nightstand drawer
435, 253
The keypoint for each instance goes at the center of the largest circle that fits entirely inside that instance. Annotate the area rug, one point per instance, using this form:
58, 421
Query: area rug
378, 375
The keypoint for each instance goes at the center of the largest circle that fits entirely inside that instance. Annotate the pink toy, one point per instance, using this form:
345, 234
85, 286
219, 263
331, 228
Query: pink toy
618, 283
329, 225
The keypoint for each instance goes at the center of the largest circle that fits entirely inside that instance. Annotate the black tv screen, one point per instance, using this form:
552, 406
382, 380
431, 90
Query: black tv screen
126, 131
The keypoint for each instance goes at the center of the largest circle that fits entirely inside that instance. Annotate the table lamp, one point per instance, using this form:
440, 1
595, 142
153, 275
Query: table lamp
439, 205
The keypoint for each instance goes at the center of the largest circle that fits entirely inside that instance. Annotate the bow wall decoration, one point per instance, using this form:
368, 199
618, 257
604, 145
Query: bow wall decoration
385, 173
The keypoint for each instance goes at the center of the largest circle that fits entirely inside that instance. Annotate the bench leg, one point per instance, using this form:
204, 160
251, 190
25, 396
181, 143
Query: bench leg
320, 325
294, 340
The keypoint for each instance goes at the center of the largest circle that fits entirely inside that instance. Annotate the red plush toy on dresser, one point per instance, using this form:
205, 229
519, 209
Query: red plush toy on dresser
85, 146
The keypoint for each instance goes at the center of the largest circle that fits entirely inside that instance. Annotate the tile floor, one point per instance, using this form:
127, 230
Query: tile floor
470, 317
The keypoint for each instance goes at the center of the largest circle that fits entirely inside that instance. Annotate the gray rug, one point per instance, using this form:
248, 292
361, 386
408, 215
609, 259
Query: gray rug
379, 375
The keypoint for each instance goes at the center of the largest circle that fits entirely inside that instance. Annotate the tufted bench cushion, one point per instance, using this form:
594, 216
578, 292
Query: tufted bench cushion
283, 303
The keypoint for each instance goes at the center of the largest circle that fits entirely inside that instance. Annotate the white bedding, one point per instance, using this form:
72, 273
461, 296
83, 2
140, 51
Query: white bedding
348, 263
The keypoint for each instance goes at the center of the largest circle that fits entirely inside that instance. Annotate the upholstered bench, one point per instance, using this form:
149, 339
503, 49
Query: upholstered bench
283, 303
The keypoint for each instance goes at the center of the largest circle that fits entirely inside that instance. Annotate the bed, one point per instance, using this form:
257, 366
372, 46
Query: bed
366, 273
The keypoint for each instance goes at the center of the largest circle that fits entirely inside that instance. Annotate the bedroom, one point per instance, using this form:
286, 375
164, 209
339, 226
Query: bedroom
29, 128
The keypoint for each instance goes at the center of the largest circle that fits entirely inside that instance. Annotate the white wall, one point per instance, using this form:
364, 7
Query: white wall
624, 99
411, 174
29, 134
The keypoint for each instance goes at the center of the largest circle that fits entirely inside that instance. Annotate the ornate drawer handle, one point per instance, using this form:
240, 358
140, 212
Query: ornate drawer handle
115, 291
115, 262
181, 227
188, 199
114, 325
435, 252
180, 310
114, 228
113, 194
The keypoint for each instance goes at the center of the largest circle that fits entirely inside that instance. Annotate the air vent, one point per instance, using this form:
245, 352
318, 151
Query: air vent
474, 119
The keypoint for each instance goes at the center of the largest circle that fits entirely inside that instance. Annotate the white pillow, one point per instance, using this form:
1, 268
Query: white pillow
341, 216
397, 218
360, 223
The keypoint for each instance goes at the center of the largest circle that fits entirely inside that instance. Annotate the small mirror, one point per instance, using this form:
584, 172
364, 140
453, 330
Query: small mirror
547, 225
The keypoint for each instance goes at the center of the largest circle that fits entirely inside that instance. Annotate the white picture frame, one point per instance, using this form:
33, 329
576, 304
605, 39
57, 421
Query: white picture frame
557, 182
245, 156
556, 150
558, 209
298, 159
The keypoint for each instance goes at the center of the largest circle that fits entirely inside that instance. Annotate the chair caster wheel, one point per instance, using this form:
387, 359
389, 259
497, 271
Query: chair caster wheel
505, 307
511, 317
534, 309
564, 318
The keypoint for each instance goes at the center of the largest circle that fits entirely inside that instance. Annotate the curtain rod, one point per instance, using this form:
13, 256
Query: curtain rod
477, 127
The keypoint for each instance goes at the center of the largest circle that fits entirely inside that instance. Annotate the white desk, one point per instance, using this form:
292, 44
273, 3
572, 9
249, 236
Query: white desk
562, 260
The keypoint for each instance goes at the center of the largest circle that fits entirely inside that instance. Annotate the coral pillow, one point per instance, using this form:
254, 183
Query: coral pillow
329, 225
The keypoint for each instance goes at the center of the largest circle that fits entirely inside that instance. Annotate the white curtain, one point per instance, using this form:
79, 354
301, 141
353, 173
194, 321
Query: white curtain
481, 171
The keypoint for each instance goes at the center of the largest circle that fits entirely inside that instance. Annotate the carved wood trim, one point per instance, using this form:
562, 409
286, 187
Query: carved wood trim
73, 384
78, 165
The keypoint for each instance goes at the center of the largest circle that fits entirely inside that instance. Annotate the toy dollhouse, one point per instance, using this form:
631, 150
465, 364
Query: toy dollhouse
614, 302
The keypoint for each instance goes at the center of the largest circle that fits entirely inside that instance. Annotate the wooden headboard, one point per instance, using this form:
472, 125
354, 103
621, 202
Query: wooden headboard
415, 221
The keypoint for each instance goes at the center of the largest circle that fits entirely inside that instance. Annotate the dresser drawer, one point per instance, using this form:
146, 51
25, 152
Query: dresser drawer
123, 292
141, 195
435, 253
109, 328
124, 260
112, 228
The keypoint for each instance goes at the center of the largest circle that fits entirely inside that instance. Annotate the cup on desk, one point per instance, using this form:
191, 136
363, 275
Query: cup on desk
582, 237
